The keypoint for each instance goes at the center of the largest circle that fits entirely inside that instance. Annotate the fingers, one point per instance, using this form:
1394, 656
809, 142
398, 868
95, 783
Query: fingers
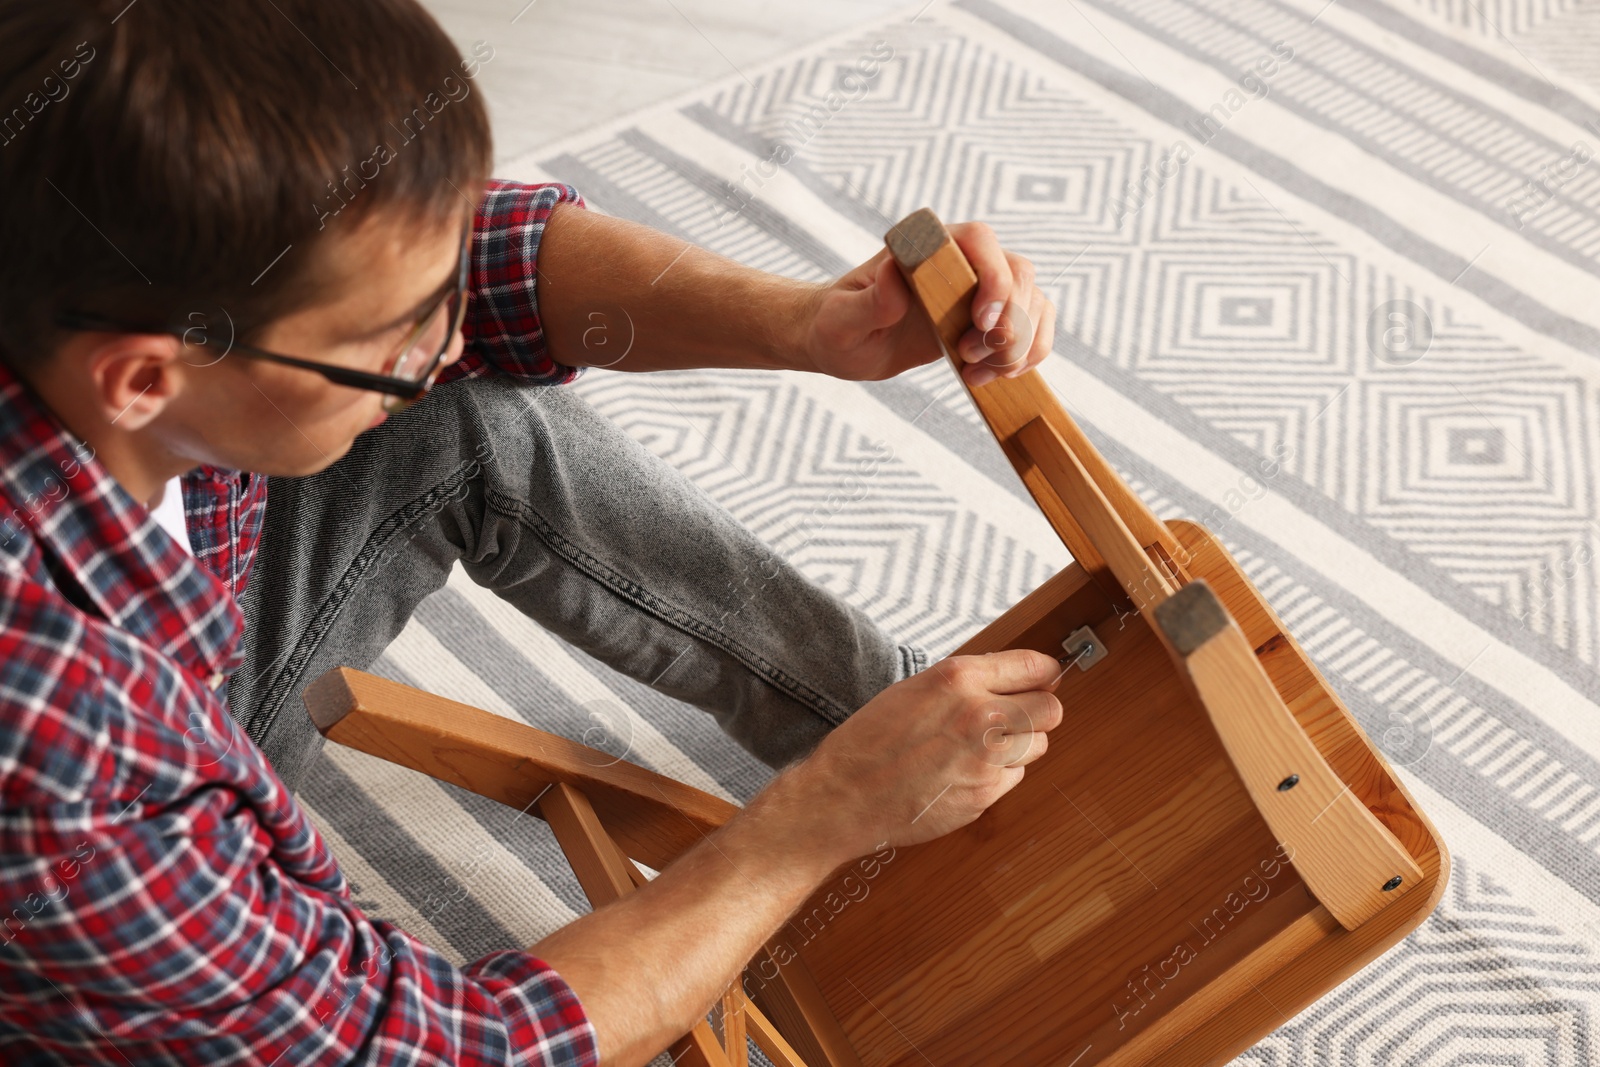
892, 296
1044, 334
1016, 750
1002, 350
1016, 670
979, 244
1027, 712
1013, 323
871, 297
1014, 734
1020, 713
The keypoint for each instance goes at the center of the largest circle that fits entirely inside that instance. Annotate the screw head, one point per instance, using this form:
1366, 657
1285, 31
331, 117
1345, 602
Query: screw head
1288, 783
1392, 884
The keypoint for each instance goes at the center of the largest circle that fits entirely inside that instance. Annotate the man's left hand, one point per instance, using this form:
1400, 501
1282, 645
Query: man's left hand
865, 327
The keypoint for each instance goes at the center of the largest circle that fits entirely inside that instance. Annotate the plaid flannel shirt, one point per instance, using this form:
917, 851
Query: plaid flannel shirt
163, 898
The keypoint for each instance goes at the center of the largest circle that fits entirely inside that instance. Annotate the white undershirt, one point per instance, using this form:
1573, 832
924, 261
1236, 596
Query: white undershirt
169, 515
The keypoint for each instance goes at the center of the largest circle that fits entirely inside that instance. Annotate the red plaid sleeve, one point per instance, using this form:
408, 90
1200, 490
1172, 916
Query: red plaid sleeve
223, 511
165, 900
502, 327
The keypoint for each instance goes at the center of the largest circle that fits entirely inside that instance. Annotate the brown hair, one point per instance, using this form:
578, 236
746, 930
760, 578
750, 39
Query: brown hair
167, 152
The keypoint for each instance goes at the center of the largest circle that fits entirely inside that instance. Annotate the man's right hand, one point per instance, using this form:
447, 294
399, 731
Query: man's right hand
924, 757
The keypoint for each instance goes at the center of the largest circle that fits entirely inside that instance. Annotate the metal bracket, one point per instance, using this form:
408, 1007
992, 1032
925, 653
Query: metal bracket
1083, 648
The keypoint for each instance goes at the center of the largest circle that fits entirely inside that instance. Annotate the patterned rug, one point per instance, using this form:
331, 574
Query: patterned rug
1359, 236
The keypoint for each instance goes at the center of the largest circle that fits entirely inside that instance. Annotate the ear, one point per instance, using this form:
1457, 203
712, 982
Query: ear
133, 377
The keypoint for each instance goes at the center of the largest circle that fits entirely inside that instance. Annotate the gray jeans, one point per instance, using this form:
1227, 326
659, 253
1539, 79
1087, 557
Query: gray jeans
581, 528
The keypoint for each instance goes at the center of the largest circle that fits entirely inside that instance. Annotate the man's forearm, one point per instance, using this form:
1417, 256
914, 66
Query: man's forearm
648, 966
614, 293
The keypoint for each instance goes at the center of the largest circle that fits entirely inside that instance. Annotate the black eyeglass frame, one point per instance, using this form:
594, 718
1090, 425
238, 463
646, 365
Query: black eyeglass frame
409, 390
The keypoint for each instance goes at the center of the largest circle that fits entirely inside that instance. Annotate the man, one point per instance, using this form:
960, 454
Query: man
240, 239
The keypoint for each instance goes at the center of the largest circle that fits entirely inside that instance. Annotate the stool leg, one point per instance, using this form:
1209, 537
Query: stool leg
733, 1027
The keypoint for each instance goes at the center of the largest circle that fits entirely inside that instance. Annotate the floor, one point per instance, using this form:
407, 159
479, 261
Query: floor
592, 60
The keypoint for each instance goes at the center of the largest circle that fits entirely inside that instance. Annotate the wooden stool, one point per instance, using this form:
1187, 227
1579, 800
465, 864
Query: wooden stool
1209, 845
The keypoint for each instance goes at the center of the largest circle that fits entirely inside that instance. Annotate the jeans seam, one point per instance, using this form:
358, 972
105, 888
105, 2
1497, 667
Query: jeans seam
322, 620
663, 609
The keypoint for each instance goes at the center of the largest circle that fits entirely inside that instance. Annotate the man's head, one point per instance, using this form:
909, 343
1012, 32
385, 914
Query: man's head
295, 176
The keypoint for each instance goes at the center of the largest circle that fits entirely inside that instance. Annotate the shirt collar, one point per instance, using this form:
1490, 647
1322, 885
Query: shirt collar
139, 579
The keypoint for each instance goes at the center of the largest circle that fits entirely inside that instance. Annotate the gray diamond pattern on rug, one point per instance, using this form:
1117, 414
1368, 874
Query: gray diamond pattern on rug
1343, 313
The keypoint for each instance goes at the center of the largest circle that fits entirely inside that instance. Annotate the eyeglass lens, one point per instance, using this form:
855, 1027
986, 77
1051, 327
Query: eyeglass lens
431, 340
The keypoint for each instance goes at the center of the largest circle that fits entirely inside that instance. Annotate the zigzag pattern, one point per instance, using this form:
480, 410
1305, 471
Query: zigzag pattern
1457, 991
1569, 41
1422, 126
1496, 18
1477, 456
1243, 315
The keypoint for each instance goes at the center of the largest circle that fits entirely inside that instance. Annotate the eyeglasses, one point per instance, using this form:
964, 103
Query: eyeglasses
409, 375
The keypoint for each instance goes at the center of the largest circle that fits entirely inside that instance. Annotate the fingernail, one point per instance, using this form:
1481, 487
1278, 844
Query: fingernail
981, 376
989, 314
